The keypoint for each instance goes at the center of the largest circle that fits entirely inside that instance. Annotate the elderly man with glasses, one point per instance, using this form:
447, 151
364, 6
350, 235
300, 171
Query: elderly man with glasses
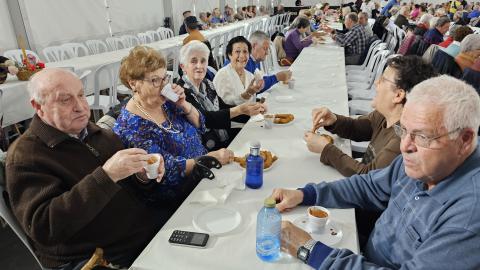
429, 195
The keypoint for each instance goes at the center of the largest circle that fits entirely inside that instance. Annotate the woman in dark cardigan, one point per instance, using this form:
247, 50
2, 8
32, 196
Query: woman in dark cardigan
201, 93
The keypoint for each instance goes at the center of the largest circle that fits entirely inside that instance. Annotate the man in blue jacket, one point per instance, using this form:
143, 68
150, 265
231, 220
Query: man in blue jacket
429, 195
260, 49
386, 9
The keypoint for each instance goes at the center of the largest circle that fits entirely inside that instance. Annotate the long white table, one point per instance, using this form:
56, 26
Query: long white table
320, 80
16, 99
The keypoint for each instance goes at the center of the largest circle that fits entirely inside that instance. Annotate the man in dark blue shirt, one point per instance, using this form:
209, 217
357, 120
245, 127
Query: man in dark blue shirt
435, 35
260, 48
183, 29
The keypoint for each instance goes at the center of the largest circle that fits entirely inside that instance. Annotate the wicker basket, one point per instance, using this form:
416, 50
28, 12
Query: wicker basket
25, 74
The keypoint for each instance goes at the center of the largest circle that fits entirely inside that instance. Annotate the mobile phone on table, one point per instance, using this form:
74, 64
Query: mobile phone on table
192, 239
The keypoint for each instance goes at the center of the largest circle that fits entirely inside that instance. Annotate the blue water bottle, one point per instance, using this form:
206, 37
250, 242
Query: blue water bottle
268, 231
254, 177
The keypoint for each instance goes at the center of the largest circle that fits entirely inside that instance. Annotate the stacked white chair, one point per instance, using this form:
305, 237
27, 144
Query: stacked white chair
367, 90
110, 73
153, 35
172, 56
144, 38
216, 43
55, 54
96, 46
363, 66
129, 41
165, 33
364, 73
17, 55
114, 43
75, 49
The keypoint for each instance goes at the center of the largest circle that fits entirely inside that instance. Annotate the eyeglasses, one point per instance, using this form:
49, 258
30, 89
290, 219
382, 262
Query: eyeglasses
158, 81
382, 78
420, 140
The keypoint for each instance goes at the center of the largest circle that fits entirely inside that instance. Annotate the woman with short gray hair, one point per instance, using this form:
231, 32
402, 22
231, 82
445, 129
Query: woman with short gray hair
469, 51
201, 93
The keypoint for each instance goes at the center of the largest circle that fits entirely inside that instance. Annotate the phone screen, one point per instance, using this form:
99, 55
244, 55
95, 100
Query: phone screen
198, 239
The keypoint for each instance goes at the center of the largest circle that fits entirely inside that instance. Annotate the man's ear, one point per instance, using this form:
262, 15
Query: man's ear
37, 107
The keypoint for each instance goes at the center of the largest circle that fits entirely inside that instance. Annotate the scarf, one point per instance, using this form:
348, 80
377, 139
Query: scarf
207, 97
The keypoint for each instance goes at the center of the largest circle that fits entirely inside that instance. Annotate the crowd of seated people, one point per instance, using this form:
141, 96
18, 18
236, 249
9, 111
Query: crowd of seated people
415, 118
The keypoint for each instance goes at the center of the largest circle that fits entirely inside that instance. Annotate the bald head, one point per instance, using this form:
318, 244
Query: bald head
58, 99
44, 82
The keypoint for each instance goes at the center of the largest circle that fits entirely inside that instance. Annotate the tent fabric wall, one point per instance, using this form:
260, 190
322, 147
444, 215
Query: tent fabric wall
53, 22
7, 38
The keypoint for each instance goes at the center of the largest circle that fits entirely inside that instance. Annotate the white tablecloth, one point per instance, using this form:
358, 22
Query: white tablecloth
320, 80
15, 101
15, 95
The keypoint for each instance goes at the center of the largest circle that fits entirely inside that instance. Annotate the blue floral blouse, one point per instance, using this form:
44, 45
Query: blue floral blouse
175, 148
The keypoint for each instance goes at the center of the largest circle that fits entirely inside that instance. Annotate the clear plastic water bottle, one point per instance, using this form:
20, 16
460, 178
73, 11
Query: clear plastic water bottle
268, 232
254, 175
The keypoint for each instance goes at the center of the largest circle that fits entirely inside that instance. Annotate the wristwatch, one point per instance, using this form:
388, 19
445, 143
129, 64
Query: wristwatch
303, 252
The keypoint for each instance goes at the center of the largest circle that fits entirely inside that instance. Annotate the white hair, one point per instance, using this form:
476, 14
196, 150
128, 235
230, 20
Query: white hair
37, 85
258, 37
459, 101
470, 43
190, 47
425, 18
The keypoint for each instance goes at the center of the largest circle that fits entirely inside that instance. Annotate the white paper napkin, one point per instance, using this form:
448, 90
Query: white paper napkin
226, 182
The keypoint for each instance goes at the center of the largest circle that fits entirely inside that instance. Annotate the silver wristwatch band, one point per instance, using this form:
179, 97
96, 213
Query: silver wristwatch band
310, 244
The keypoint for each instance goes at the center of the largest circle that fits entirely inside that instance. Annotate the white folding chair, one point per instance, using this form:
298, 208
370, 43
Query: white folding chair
55, 53
363, 66
114, 43
165, 33
107, 73
129, 41
216, 43
153, 35
96, 46
17, 55
75, 49
361, 107
172, 56
7, 215
144, 38
356, 90
271, 62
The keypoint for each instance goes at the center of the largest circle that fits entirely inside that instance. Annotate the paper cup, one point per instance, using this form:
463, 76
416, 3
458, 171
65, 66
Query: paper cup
167, 92
291, 84
317, 218
152, 168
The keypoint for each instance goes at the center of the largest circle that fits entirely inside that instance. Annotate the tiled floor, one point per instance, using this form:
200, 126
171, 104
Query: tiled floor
13, 254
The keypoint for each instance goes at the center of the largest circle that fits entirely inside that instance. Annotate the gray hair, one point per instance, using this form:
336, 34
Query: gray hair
353, 17
202, 15
190, 47
459, 101
442, 21
470, 43
37, 86
425, 18
258, 37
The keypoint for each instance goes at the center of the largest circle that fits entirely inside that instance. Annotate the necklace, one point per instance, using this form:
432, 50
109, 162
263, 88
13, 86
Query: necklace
170, 128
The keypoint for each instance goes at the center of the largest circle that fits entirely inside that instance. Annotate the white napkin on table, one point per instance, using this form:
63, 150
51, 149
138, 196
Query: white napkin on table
226, 182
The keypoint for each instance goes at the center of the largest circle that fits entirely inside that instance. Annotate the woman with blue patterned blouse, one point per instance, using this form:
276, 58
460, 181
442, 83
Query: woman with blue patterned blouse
158, 125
